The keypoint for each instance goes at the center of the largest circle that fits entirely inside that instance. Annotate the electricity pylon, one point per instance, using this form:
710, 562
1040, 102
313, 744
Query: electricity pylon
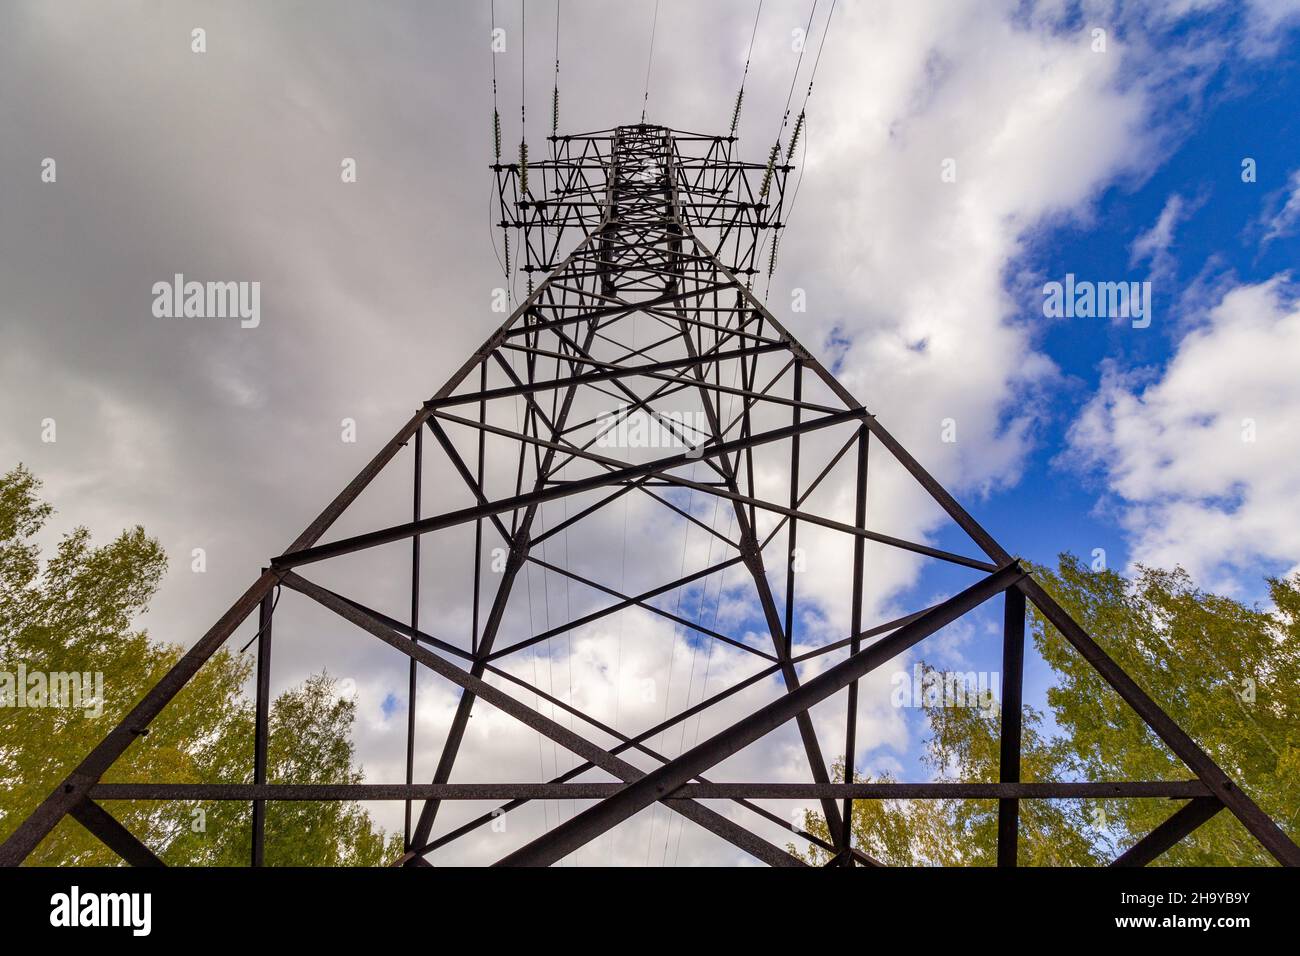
642, 367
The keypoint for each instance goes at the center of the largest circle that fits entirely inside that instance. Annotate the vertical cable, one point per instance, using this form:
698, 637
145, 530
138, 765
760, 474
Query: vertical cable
645, 99
740, 96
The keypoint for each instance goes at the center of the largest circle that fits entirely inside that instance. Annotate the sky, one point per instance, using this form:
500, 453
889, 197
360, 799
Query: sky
958, 158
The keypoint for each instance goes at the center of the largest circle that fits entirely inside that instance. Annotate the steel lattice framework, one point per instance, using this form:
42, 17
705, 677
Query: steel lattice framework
649, 318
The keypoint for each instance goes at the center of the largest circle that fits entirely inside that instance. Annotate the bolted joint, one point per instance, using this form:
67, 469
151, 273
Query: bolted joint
518, 555
797, 350
752, 554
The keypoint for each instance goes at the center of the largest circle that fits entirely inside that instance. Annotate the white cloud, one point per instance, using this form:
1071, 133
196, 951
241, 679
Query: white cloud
1266, 22
1285, 220
908, 271
1154, 244
1203, 459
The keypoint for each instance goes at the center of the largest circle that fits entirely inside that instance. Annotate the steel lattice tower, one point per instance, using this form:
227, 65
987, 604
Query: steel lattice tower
645, 241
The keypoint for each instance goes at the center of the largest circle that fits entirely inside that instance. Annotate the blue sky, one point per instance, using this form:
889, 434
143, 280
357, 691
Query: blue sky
1248, 111
1245, 109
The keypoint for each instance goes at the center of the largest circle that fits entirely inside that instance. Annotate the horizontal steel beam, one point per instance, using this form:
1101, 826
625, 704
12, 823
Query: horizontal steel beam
707, 452
1165, 789
453, 518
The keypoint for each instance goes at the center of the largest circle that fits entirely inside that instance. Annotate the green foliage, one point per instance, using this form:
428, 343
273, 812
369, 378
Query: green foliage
1228, 673
75, 614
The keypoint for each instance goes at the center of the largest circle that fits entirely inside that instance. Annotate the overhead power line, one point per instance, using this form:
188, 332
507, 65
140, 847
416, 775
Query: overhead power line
740, 95
654, 25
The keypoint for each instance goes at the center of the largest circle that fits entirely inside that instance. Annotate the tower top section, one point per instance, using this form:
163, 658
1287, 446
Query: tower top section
550, 204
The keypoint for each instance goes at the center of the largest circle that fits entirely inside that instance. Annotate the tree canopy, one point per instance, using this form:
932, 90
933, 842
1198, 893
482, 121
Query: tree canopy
1227, 672
74, 613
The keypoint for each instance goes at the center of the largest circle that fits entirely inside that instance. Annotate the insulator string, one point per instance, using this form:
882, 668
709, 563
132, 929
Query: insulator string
740, 96
799, 128
555, 93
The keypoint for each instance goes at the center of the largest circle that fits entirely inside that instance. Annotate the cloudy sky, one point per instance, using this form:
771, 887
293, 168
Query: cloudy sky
958, 156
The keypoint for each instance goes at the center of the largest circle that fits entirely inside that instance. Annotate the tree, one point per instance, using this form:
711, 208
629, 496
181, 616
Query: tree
1227, 672
74, 615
